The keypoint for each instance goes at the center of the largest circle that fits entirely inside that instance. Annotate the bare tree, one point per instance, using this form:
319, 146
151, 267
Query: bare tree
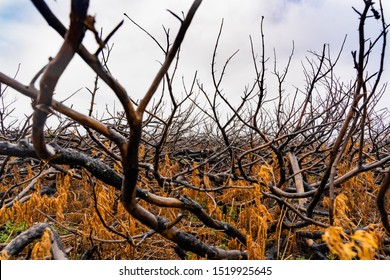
284, 160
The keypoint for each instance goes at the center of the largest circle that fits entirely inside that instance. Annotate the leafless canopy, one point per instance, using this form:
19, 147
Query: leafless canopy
301, 141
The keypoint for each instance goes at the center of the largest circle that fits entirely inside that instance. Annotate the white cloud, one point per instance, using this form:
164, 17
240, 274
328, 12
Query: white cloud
25, 38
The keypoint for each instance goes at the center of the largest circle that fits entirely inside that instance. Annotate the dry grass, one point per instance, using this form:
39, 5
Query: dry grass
71, 210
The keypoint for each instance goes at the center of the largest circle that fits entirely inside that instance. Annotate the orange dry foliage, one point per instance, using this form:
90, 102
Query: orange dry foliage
361, 244
41, 250
71, 210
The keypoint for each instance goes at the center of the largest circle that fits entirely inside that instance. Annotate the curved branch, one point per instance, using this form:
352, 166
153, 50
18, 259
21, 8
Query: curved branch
84, 120
90, 59
28, 236
170, 57
53, 72
108, 175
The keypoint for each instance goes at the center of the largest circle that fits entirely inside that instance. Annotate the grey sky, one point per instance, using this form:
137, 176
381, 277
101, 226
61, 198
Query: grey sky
26, 39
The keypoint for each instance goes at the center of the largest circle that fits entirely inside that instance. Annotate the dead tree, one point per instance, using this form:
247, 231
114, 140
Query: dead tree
300, 141
128, 146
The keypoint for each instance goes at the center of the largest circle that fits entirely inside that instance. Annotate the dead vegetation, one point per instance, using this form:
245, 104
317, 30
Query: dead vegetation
305, 178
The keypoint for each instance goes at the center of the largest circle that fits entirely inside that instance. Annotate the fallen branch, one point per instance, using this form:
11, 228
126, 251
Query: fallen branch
28, 236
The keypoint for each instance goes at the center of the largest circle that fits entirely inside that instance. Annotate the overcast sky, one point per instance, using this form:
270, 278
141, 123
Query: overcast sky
26, 39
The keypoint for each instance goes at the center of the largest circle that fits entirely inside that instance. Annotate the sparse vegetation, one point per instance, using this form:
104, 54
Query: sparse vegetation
194, 176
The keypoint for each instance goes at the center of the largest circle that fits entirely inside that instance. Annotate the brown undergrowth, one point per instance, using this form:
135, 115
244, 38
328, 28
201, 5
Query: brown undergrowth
83, 222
